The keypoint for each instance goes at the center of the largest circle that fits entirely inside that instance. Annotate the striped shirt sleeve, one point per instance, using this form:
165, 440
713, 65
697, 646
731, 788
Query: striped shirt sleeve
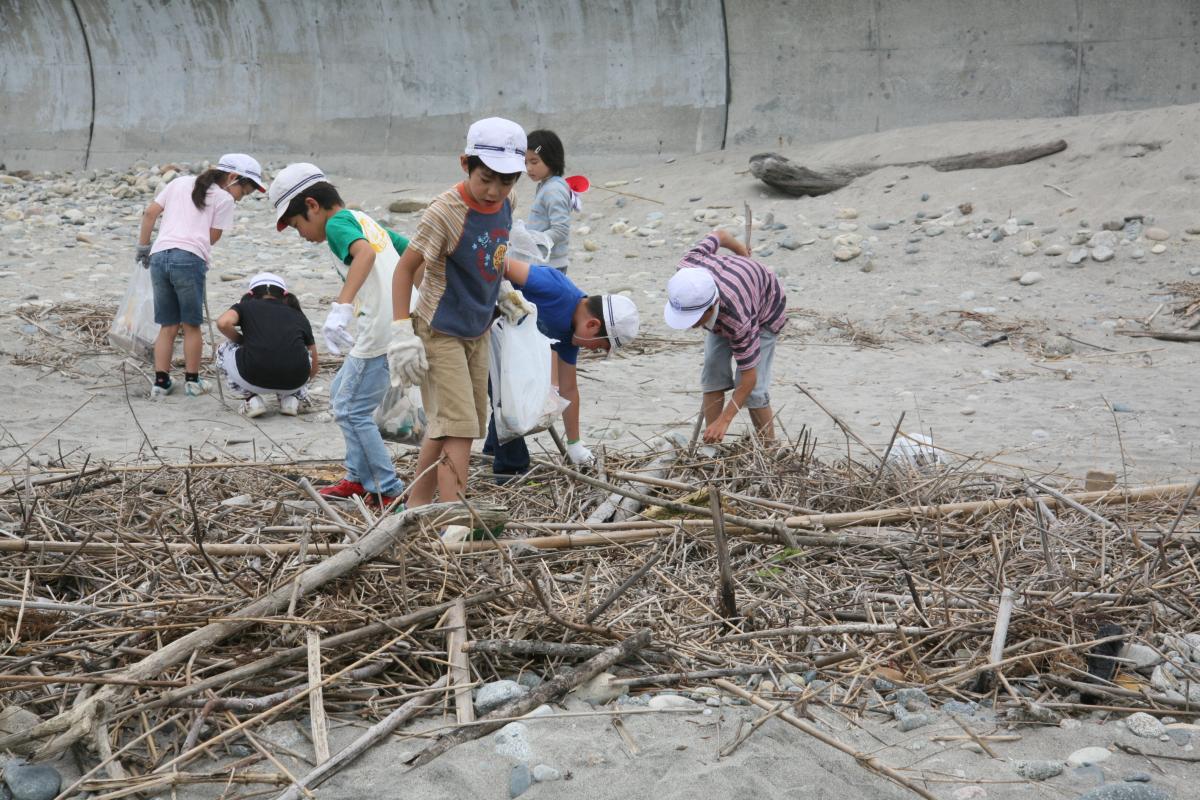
437, 235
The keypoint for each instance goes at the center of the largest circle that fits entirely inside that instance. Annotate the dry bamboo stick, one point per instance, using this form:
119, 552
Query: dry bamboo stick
460, 662
862, 628
316, 698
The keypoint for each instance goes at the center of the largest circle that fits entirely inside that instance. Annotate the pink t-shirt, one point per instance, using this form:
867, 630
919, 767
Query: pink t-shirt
183, 225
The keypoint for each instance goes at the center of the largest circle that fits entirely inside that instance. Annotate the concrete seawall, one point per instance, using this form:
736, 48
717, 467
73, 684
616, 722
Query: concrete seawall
362, 84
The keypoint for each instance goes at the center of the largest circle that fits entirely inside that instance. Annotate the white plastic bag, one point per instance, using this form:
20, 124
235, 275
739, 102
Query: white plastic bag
401, 416
528, 245
916, 450
523, 400
133, 328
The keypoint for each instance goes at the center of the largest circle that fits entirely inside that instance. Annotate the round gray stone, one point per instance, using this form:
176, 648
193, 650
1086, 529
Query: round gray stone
1141, 723
497, 693
519, 780
31, 781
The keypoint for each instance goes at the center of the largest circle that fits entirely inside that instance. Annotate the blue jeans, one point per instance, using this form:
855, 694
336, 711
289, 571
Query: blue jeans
178, 279
356, 392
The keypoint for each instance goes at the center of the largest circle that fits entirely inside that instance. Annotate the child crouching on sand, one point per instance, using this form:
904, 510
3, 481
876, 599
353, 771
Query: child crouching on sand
273, 353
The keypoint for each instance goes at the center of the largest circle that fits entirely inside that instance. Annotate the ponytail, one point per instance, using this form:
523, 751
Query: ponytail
203, 181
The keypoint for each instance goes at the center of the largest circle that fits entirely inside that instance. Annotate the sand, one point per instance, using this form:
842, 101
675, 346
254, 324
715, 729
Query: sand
1113, 402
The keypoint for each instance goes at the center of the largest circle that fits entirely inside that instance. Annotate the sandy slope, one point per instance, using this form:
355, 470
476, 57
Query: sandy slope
922, 358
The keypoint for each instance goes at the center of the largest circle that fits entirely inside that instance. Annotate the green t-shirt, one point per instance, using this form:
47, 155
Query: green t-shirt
343, 230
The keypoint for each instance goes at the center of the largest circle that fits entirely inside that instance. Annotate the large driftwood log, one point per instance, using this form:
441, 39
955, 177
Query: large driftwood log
60, 732
781, 173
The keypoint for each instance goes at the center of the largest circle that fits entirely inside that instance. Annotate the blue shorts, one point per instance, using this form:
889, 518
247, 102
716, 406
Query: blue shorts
178, 279
717, 372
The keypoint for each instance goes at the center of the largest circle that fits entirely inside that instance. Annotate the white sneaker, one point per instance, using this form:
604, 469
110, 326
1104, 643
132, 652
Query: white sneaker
197, 388
254, 406
159, 392
289, 405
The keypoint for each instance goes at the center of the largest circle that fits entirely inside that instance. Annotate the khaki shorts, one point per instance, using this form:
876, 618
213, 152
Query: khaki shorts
454, 391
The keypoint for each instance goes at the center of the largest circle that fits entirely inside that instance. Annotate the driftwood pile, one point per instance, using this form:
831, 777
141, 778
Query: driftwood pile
154, 615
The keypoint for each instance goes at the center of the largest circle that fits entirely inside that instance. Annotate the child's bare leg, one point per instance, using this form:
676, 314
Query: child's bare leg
164, 347
452, 476
764, 423
193, 347
420, 491
714, 403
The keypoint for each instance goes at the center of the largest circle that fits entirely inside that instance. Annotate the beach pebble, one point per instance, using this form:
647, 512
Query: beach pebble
1077, 255
924, 196
846, 253
512, 741
31, 781
1156, 234
1102, 253
789, 243
1137, 777
497, 693
846, 213
1144, 725
1137, 253
1038, 770
599, 690
1125, 791
934, 230
1158, 249
1054, 250
913, 699
1089, 755
544, 773
909, 721
879, 226
1030, 278
407, 205
519, 780
674, 702
590, 245
618, 227
1027, 247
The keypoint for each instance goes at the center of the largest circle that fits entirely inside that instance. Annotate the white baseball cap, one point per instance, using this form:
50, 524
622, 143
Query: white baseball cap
267, 279
291, 181
620, 320
243, 166
499, 143
690, 292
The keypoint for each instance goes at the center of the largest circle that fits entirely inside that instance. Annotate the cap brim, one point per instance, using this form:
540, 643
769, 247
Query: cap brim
504, 164
682, 320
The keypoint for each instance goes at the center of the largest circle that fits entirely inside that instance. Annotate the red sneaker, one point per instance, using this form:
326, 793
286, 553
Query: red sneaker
342, 489
381, 501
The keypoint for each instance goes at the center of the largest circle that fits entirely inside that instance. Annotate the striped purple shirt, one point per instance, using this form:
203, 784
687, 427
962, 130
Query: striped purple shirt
752, 300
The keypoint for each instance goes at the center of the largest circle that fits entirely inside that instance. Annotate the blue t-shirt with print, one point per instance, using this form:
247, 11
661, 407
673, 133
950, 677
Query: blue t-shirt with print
556, 299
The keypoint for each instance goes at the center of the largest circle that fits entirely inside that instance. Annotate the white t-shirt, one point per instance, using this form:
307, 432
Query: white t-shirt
374, 299
186, 227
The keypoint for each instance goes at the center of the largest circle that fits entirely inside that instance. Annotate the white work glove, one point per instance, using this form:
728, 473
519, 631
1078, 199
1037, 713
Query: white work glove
337, 338
143, 255
512, 303
407, 364
578, 454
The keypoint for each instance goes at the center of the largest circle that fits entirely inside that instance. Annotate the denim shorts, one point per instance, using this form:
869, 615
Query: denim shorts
717, 373
178, 279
